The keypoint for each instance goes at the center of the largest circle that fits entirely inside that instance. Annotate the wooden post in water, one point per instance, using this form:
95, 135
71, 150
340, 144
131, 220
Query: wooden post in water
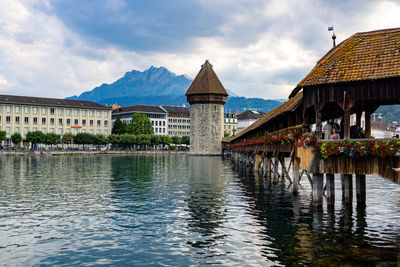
347, 188
296, 174
318, 188
276, 171
360, 189
330, 188
267, 166
283, 167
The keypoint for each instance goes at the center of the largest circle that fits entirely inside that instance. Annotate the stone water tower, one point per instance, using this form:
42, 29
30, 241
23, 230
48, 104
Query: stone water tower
206, 96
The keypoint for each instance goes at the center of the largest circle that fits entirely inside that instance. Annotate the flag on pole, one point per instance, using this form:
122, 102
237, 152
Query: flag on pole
330, 28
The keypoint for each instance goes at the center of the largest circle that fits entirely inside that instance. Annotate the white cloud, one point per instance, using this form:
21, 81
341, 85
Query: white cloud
261, 50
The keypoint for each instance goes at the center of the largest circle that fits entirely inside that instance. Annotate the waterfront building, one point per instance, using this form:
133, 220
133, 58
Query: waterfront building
156, 114
230, 124
178, 120
247, 118
206, 96
23, 114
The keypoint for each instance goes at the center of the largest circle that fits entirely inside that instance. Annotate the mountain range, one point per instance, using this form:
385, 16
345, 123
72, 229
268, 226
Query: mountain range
159, 86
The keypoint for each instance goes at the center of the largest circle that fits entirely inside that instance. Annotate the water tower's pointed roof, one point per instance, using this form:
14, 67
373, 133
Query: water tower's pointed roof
206, 82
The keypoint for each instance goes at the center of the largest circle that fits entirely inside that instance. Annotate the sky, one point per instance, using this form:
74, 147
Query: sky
259, 48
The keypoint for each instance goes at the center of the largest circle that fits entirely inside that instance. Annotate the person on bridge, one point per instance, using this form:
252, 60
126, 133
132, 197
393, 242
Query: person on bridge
335, 135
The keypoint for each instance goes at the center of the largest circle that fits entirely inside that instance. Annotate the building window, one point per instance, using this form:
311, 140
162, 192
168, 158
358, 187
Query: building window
98, 114
156, 123
98, 131
44, 130
84, 122
105, 114
43, 111
60, 111
52, 121
16, 109
68, 112
8, 119
83, 112
35, 110
60, 131
43, 120
75, 131
68, 130
34, 129
105, 123
26, 120
26, 129
52, 111
105, 132
83, 130
91, 131
76, 112
68, 121
76, 122
26, 110
98, 122
91, 113
8, 108
52, 130
156, 130
91, 122
17, 129
60, 121
8, 129
17, 119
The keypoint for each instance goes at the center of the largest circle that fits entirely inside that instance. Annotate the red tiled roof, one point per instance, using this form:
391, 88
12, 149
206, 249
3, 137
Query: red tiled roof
363, 56
206, 82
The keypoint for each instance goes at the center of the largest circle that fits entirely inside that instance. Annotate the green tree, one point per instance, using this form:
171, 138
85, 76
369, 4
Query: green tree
52, 139
2, 135
143, 140
155, 139
36, 137
165, 140
16, 138
141, 124
119, 127
84, 139
114, 139
176, 140
100, 140
128, 140
68, 138
186, 140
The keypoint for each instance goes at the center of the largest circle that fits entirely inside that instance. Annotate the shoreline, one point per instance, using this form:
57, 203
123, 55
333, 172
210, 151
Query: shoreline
90, 153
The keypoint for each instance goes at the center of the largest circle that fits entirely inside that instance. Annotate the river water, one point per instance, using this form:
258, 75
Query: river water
179, 211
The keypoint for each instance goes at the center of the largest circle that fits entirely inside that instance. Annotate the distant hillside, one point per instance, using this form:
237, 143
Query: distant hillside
146, 87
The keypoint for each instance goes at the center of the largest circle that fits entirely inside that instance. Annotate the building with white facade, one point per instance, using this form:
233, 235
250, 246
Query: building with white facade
156, 114
23, 114
245, 119
178, 120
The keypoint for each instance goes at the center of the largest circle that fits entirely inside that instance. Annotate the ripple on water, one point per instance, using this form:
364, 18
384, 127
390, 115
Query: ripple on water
181, 211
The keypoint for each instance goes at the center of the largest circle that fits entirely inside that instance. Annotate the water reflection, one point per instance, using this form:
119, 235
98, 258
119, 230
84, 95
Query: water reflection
182, 211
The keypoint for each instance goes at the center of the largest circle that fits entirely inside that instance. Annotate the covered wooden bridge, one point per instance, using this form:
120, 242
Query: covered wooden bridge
352, 79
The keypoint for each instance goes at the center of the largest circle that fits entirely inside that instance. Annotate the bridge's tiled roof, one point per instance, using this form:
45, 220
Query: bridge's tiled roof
363, 56
206, 82
288, 106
